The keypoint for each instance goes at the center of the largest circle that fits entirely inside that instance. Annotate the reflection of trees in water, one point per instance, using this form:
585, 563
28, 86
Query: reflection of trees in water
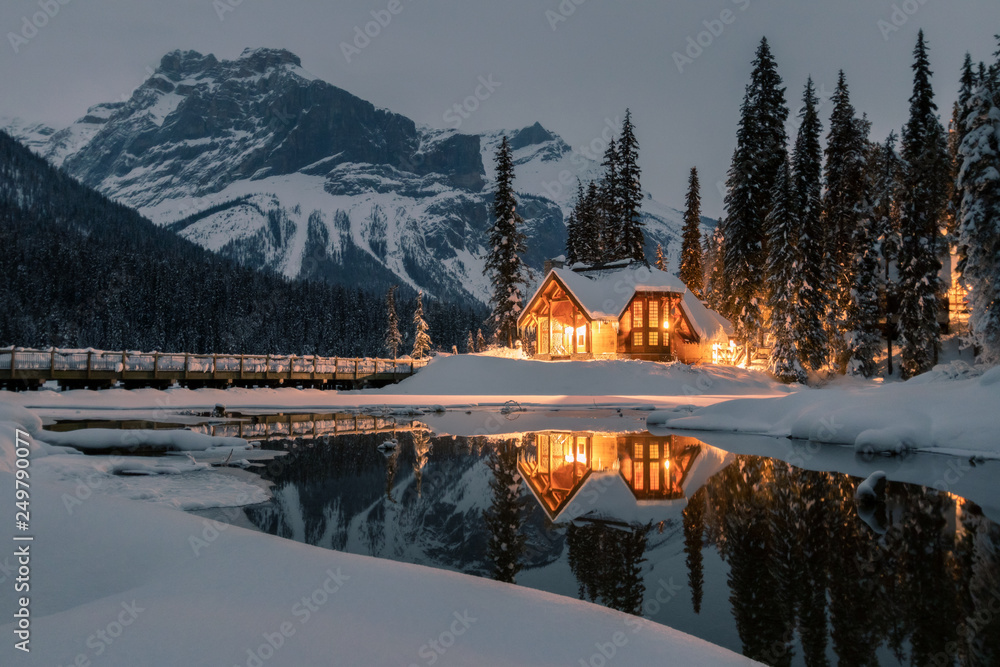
505, 516
607, 562
803, 565
694, 534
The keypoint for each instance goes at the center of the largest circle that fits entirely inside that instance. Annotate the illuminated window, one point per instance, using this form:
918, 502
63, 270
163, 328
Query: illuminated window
654, 478
638, 479
654, 315
654, 338
637, 452
637, 339
654, 451
637, 315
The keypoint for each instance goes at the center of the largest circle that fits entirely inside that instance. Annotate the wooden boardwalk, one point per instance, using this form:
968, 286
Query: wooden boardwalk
96, 369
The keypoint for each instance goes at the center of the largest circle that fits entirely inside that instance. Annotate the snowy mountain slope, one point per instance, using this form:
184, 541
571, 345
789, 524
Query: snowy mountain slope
257, 159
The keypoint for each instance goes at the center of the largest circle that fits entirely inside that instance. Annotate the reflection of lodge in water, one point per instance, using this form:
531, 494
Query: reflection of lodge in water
655, 468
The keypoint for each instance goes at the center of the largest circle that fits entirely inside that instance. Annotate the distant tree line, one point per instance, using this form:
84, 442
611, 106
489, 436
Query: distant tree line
79, 270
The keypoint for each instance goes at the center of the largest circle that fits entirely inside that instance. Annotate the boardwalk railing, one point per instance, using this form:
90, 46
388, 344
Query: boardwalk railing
28, 368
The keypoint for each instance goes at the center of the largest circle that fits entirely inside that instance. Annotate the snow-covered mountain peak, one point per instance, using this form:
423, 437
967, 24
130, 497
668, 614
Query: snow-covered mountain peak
261, 161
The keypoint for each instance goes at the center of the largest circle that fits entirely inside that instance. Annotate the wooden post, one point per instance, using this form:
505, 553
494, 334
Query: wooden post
215, 365
356, 375
52, 362
124, 362
314, 367
12, 363
90, 361
291, 367
267, 366
242, 359
187, 364
156, 365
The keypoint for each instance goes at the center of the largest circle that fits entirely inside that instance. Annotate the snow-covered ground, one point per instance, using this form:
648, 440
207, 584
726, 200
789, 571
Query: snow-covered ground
450, 381
114, 581
951, 409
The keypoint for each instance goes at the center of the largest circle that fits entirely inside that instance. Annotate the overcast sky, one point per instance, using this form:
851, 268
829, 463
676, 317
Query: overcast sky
569, 66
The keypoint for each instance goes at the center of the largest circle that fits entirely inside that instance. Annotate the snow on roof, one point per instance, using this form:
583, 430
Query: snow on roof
605, 294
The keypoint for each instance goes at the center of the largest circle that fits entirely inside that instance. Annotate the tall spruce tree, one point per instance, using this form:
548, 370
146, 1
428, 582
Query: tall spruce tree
421, 337
956, 135
760, 150
609, 205
393, 339
714, 270
846, 206
470, 343
633, 240
592, 226
807, 165
504, 265
783, 280
692, 272
979, 226
661, 259
925, 176
885, 203
575, 230
863, 338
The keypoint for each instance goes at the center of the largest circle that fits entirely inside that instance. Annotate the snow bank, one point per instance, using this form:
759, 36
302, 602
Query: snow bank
472, 375
933, 412
169, 441
183, 590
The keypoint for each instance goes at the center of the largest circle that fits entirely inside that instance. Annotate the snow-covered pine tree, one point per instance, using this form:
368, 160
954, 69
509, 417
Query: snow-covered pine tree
925, 174
393, 339
661, 260
979, 227
480, 341
421, 339
633, 240
863, 337
575, 228
812, 304
714, 271
846, 205
885, 204
609, 205
504, 265
956, 135
783, 280
760, 150
594, 223
692, 272
470, 343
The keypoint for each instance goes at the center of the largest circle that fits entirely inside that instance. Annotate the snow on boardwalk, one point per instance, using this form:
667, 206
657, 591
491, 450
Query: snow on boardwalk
934, 412
121, 582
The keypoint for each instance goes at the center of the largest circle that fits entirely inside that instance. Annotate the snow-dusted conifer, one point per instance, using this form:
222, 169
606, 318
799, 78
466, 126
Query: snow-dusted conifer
758, 157
609, 204
807, 165
661, 260
783, 280
714, 270
846, 205
924, 193
504, 265
576, 228
979, 226
480, 341
692, 273
470, 343
632, 238
421, 339
393, 339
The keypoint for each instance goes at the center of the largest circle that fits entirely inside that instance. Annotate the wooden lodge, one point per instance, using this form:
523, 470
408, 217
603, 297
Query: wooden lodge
623, 309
